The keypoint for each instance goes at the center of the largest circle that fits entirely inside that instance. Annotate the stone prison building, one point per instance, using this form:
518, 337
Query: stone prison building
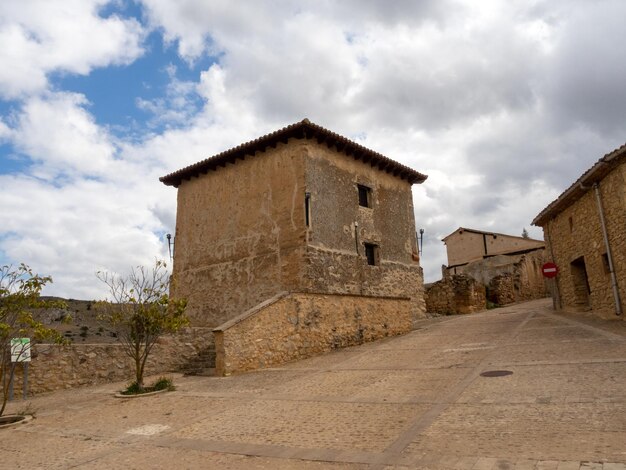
296, 243
585, 232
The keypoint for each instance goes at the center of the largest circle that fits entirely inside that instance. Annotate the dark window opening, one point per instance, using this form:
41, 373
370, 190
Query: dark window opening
371, 253
365, 196
307, 209
571, 224
605, 263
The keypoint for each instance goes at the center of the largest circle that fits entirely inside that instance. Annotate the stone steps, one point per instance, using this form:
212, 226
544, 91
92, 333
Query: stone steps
203, 363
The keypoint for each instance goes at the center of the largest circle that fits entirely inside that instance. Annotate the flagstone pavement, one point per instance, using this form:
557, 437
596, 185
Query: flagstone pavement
415, 401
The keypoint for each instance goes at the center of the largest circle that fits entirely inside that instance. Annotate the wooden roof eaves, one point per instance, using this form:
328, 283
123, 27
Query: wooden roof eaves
596, 173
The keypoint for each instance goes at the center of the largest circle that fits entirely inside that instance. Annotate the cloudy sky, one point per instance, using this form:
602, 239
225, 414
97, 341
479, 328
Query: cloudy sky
502, 103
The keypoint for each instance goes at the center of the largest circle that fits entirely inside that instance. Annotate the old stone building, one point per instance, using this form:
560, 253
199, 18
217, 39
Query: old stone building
503, 269
585, 231
465, 245
295, 243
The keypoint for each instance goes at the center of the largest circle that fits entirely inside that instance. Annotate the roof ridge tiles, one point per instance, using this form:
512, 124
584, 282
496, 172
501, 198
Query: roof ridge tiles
295, 130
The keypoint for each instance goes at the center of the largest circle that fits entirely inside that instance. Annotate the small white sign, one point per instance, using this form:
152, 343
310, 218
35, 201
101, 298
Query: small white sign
20, 350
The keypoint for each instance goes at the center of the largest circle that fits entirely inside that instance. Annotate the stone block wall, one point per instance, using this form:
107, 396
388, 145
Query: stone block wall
455, 294
501, 290
236, 251
55, 367
338, 272
300, 325
523, 281
576, 243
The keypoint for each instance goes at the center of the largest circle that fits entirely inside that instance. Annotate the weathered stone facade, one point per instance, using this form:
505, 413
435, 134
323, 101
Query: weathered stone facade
502, 280
511, 278
299, 325
465, 245
455, 294
55, 367
573, 230
301, 210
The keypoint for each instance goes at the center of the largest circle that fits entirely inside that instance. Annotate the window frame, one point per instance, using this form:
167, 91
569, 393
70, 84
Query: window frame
372, 253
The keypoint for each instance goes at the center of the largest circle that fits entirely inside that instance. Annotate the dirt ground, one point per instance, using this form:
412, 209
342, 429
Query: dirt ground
519, 387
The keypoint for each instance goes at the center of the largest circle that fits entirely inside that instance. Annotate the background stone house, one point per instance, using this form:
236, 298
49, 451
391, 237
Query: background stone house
294, 243
465, 245
585, 231
486, 266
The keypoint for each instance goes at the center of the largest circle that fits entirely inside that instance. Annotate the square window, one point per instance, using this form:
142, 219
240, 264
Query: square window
371, 253
365, 196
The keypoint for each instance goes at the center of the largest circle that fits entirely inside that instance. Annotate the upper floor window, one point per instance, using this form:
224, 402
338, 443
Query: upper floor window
372, 254
365, 196
307, 209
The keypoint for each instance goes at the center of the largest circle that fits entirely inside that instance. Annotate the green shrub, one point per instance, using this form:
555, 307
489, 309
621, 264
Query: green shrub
162, 383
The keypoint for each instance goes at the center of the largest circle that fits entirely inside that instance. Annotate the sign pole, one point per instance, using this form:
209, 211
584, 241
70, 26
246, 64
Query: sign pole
25, 381
550, 271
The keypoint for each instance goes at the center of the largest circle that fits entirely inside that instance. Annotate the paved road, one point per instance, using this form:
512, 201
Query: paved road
417, 401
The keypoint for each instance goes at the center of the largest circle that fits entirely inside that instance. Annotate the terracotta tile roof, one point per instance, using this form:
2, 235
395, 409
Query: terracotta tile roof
304, 129
593, 175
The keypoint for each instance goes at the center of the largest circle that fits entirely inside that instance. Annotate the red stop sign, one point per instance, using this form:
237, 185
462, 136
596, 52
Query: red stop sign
550, 270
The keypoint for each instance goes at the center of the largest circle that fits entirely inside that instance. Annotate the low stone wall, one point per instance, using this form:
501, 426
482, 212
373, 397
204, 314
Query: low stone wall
523, 282
55, 367
455, 294
501, 290
509, 278
502, 280
300, 325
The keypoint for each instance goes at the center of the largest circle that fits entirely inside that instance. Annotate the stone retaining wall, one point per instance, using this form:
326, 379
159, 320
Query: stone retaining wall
524, 281
55, 367
299, 325
502, 280
455, 294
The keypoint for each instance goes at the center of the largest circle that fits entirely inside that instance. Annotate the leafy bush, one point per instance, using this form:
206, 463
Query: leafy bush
20, 291
162, 383
141, 311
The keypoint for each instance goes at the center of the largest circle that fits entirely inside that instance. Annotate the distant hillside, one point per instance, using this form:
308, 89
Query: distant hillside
77, 322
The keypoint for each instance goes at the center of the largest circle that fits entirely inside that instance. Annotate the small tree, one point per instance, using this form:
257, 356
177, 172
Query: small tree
19, 294
140, 311
524, 233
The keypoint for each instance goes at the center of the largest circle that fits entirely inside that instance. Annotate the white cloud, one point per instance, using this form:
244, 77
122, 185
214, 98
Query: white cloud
67, 36
72, 231
60, 135
503, 104
5, 132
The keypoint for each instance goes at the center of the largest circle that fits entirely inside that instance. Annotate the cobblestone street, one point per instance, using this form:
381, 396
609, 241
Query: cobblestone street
416, 401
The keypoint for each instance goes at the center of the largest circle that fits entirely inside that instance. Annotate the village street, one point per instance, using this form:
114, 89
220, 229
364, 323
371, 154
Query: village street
416, 401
